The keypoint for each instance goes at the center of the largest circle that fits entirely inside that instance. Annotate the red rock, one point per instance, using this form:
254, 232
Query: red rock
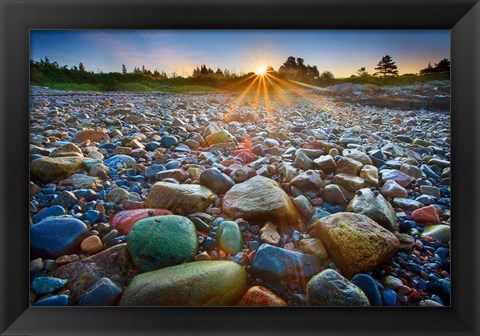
124, 220
91, 135
427, 215
261, 296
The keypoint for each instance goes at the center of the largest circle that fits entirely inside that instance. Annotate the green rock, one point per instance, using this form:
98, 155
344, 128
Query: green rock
350, 182
219, 137
440, 232
374, 206
229, 237
49, 169
162, 241
200, 283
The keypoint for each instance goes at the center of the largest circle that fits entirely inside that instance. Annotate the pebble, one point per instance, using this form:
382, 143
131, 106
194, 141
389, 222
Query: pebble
285, 171
103, 293
92, 245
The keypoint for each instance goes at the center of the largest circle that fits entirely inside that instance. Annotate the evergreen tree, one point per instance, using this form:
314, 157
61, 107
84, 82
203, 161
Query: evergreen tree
124, 69
81, 67
386, 66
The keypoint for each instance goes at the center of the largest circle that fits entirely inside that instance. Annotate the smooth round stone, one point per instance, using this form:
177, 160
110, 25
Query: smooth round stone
440, 232
92, 244
329, 288
199, 283
120, 160
55, 210
103, 293
427, 215
389, 297
229, 237
392, 282
392, 189
368, 285
151, 146
172, 165
44, 285
49, 169
216, 181
55, 300
168, 141
162, 241
261, 296
53, 237
303, 206
426, 199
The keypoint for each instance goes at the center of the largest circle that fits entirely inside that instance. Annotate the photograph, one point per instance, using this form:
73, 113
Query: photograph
241, 168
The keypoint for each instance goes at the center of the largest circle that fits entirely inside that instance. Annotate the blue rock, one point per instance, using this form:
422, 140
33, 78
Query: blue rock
172, 165
48, 191
429, 172
152, 171
216, 181
217, 221
281, 269
442, 288
209, 243
389, 297
413, 267
238, 258
319, 213
182, 148
45, 284
108, 146
120, 159
151, 146
103, 293
368, 285
56, 300
442, 252
55, 210
426, 199
92, 216
66, 199
53, 237
88, 194
168, 141
253, 245
332, 208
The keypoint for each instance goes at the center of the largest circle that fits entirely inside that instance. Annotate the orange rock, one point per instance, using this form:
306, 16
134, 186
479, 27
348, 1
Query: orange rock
124, 220
427, 215
91, 135
91, 245
261, 296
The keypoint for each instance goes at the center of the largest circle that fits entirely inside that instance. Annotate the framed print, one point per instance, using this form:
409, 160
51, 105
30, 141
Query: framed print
239, 168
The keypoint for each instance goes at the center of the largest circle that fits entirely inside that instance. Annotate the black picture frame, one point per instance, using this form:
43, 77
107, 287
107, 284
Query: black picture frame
17, 17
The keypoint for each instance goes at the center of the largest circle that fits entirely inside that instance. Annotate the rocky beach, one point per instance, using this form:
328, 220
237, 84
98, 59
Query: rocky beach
336, 197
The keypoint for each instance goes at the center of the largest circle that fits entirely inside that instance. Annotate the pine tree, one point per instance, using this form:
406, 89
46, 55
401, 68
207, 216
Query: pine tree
386, 66
81, 67
124, 69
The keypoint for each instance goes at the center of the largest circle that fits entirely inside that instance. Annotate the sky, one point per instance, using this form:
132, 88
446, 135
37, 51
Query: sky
342, 52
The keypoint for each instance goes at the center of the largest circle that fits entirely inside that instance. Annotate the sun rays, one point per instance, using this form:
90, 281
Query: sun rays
263, 88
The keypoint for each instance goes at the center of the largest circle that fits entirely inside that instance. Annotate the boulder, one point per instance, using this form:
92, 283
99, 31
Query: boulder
53, 237
49, 169
199, 283
179, 198
356, 243
329, 288
260, 198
